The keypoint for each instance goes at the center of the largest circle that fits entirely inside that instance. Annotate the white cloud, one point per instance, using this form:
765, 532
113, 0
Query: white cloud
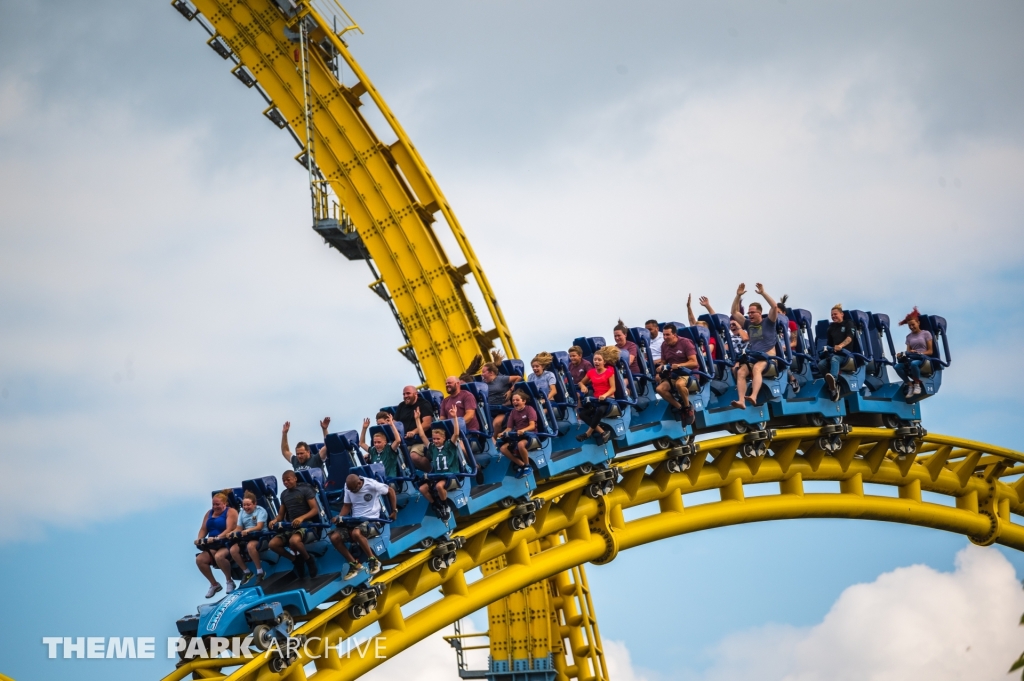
914, 623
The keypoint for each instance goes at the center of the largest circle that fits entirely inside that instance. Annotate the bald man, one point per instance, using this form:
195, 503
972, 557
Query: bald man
405, 412
362, 505
463, 402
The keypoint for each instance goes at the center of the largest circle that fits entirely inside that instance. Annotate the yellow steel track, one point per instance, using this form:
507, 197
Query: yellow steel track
385, 190
950, 484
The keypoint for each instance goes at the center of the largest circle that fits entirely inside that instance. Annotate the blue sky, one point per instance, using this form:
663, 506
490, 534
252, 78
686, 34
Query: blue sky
164, 306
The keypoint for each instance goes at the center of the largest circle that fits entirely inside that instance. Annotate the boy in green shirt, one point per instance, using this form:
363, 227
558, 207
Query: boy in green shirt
380, 451
444, 458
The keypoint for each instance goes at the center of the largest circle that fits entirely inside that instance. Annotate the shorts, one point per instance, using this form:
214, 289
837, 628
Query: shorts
417, 448
449, 484
532, 441
302, 532
367, 529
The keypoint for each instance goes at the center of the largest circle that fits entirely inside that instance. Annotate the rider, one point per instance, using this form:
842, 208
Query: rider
838, 336
380, 451
499, 390
676, 353
302, 459
578, 367
543, 378
602, 380
252, 519
919, 342
444, 458
360, 507
463, 402
626, 346
298, 504
405, 414
521, 432
762, 340
656, 340
218, 523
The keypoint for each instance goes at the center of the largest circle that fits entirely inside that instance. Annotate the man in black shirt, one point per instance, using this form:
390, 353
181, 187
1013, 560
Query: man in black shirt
838, 336
298, 504
411, 404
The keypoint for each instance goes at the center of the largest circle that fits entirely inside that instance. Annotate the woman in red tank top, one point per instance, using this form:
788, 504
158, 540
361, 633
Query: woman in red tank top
601, 380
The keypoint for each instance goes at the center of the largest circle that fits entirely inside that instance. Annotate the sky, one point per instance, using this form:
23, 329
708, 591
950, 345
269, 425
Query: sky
165, 307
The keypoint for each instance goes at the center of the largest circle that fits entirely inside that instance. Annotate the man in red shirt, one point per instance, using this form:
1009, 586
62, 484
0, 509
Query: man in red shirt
676, 353
463, 402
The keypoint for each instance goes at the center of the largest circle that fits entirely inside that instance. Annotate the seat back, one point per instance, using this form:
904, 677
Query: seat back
718, 324
434, 397
566, 392
700, 337
861, 322
645, 360
234, 496
513, 367
314, 477
343, 454
804, 337
937, 326
589, 345
265, 489
483, 409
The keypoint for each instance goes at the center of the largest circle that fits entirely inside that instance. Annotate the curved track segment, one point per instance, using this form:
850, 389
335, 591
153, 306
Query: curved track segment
972, 489
385, 190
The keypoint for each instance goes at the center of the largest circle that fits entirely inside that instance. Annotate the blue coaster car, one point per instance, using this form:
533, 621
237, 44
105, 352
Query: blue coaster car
268, 609
717, 410
417, 524
651, 420
560, 420
809, 399
882, 398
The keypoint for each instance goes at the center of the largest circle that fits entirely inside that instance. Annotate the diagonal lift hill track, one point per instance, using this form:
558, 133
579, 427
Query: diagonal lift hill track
948, 484
374, 201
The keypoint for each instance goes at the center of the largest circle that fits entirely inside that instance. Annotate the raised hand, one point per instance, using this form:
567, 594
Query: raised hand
704, 302
416, 413
741, 290
326, 422
689, 297
453, 412
366, 423
286, 427
759, 288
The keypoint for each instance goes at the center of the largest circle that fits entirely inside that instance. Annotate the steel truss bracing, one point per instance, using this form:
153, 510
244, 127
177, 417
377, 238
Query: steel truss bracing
948, 484
371, 199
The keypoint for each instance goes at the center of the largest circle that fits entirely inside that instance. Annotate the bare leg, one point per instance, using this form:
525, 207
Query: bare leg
236, 554
524, 454
223, 562
505, 451
741, 386
254, 553
277, 546
297, 545
665, 391
756, 380
339, 544
421, 462
440, 491
425, 491
204, 564
358, 536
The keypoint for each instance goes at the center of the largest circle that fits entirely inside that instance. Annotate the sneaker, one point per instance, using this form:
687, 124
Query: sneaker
374, 566
230, 586
910, 389
298, 569
214, 588
606, 436
443, 512
917, 388
581, 437
353, 571
246, 576
688, 416
522, 472
830, 383
259, 577
311, 566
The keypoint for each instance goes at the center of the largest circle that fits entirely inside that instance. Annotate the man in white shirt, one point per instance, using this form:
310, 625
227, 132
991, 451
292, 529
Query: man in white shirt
656, 338
362, 504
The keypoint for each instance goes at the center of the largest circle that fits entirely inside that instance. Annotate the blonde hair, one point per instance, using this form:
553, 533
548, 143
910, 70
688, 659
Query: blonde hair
838, 306
223, 497
610, 354
702, 323
543, 358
